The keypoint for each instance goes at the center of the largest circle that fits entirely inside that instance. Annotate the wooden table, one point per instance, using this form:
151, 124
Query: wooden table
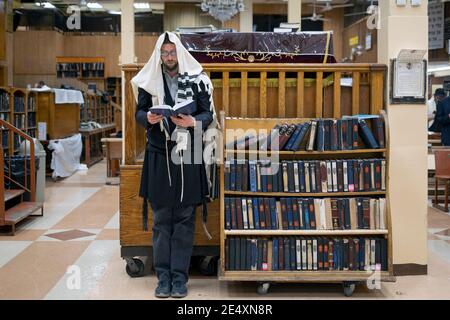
113, 148
92, 142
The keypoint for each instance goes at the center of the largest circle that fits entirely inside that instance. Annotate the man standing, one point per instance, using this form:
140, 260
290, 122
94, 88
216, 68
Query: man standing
443, 120
439, 95
171, 180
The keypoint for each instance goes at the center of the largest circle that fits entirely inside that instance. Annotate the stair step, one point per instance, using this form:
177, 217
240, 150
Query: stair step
13, 193
21, 211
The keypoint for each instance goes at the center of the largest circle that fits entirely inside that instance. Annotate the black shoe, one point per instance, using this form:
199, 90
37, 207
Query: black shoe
179, 290
163, 289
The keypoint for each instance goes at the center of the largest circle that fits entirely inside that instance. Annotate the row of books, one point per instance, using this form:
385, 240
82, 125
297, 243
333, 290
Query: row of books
92, 74
5, 139
68, 67
305, 214
31, 103
19, 104
313, 176
348, 133
4, 101
32, 119
306, 254
19, 121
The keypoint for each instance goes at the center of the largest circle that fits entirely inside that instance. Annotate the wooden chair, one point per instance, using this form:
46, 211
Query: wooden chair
442, 164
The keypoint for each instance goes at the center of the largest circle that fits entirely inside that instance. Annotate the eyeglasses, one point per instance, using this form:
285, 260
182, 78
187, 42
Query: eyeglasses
166, 53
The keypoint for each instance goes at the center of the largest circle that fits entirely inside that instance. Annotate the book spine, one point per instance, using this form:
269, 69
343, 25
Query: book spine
262, 214
312, 215
244, 213
240, 218
290, 214
253, 180
273, 211
256, 218
233, 213
251, 222
227, 214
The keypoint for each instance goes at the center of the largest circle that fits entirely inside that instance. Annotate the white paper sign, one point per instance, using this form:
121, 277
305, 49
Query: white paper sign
409, 79
436, 25
42, 131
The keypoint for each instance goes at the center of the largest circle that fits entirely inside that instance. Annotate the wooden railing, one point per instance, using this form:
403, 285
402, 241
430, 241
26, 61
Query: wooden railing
276, 91
13, 134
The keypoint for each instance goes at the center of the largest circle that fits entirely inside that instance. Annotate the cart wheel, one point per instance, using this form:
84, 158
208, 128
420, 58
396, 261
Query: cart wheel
263, 288
348, 288
208, 265
135, 267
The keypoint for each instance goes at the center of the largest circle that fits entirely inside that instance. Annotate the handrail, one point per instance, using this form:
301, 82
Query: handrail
32, 187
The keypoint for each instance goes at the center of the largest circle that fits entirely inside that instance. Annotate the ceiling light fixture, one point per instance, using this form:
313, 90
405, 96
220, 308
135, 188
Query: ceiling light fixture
141, 5
94, 5
46, 5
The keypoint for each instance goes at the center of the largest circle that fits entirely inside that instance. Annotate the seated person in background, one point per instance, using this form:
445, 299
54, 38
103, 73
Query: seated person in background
41, 85
439, 95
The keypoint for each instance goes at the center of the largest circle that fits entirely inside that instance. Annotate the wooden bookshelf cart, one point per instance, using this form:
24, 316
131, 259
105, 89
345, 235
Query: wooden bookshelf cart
348, 278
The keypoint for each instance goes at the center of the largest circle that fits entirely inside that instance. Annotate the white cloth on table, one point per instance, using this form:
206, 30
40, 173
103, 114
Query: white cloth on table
66, 156
68, 96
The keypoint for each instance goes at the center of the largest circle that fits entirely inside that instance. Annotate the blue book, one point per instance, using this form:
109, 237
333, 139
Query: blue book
290, 214
292, 139
306, 214
255, 213
301, 136
263, 179
275, 254
254, 254
301, 173
336, 255
367, 136
362, 253
273, 212
253, 178
320, 135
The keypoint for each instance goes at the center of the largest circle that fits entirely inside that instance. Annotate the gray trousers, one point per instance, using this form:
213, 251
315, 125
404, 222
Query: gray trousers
173, 237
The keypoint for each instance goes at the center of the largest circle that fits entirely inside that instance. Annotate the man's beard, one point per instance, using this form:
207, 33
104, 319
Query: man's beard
173, 68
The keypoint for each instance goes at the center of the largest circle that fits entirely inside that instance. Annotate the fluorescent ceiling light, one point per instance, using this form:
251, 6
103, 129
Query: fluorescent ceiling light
46, 5
142, 5
114, 12
94, 5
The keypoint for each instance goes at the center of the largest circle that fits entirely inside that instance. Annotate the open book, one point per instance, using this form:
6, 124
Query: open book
186, 107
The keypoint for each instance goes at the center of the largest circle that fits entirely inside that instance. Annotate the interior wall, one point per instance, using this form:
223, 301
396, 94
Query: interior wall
186, 15
359, 29
406, 27
47, 45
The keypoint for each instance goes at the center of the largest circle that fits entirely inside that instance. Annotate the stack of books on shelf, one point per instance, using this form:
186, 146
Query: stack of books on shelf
19, 104
306, 254
348, 133
305, 213
313, 176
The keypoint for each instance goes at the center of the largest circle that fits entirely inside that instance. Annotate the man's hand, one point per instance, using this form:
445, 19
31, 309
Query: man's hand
153, 118
184, 121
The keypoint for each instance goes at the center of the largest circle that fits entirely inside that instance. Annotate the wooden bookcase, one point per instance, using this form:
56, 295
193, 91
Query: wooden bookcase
101, 112
348, 278
18, 107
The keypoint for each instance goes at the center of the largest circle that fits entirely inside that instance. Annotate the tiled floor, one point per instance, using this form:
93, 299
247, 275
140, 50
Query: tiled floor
78, 239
